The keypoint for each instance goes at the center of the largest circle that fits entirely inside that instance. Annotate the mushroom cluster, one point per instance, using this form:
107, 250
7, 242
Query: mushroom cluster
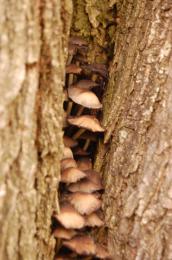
80, 186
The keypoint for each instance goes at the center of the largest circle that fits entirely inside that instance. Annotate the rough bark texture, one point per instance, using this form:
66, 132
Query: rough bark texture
33, 36
138, 143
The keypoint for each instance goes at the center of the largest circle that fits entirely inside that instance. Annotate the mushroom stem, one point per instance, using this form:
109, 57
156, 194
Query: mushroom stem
69, 60
69, 107
94, 77
80, 110
87, 143
78, 133
70, 79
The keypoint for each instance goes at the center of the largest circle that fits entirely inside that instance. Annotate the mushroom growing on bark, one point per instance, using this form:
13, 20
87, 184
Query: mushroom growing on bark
70, 218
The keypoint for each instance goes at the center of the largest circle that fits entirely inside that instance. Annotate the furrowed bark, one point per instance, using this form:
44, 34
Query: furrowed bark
32, 59
138, 143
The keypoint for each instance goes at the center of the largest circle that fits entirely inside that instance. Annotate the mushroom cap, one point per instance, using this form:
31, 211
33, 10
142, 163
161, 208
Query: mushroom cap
69, 142
71, 175
73, 68
94, 177
67, 153
84, 164
93, 220
84, 203
82, 245
85, 84
67, 163
85, 185
102, 253
84, 98
88, 122
77, 40
100, 69
63, 233
80, 151
70, 218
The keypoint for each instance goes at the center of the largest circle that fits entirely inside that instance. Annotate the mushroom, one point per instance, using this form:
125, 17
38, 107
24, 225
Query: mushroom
93, 220
85, 122
77, 40
70, 218
71, 175
67, 163
84, 164
67, 153
100, 69
93, 176
102, 253
72, 49
82, 245
85, 84
84, 203
85, 185
69, 142
80, 151
63, 233
84, 97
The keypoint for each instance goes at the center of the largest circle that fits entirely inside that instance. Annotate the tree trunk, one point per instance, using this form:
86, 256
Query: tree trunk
32, 59
137, 151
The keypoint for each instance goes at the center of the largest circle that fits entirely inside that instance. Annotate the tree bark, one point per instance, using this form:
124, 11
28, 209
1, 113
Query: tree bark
33, 36
137, 151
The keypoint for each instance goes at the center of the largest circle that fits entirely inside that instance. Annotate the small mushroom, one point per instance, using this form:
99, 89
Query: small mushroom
67, 153
93, 220
82, 245
77, 40
84, 203
85, 185
102, 253
73, 69
85, 84
84, 98
67, 163
93, 176
100, 69
72, 49
71, 175
63, 233
79, 151
85, 122
69, 142
84, 164
70, 218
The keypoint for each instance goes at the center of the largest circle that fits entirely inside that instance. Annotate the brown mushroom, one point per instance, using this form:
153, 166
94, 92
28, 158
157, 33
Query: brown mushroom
71, 175
69, 142
73, 69
67, 153
77, 40
100, 69
85, 84
82, 245
85, 122
84, 203
63, 233
84, 97
84, 164
80, 151
67, 163
70, 218
85, 185
93, 176
93, 220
